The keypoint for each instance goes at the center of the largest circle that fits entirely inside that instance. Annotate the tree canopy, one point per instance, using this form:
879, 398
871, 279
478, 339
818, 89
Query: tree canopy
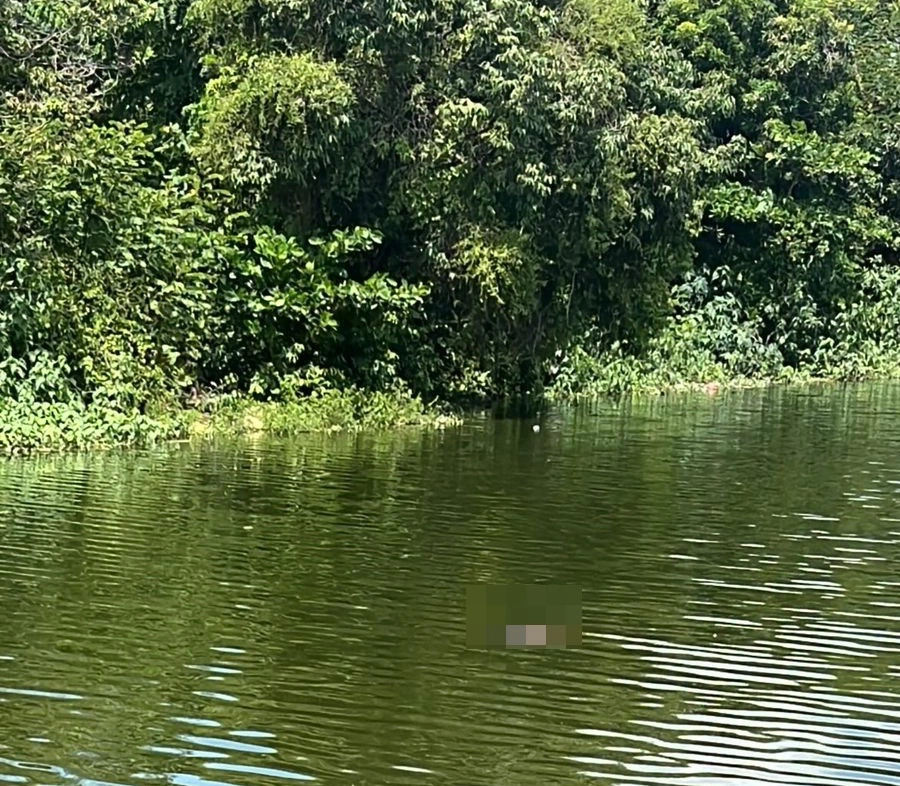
464, 198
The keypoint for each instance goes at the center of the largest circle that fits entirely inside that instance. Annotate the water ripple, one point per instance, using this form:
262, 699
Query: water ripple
250, 614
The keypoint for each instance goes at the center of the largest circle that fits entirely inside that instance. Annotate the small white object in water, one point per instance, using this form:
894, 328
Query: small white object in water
535, 428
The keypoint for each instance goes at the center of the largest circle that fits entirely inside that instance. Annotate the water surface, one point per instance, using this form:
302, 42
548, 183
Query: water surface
275, 613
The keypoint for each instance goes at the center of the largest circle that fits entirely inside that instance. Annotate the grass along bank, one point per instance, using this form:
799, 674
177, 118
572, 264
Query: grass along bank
325, 410
39, 427
619, 375
716, 347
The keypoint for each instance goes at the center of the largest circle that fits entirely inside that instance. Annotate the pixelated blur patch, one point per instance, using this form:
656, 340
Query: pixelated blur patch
523, 615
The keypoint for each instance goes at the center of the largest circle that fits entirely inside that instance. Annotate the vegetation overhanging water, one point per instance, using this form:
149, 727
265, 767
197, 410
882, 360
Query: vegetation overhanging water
348, 211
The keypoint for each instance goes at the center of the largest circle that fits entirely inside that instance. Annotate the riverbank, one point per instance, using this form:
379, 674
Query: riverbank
678, 360
27, 428
39, 427
284, 214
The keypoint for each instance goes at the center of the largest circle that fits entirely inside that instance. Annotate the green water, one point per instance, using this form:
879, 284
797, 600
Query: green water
273, 613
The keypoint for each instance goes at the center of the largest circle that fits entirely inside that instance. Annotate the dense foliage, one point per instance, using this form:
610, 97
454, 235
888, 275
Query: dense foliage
451, 198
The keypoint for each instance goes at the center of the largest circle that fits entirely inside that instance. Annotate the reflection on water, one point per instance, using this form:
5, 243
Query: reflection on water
280, 613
